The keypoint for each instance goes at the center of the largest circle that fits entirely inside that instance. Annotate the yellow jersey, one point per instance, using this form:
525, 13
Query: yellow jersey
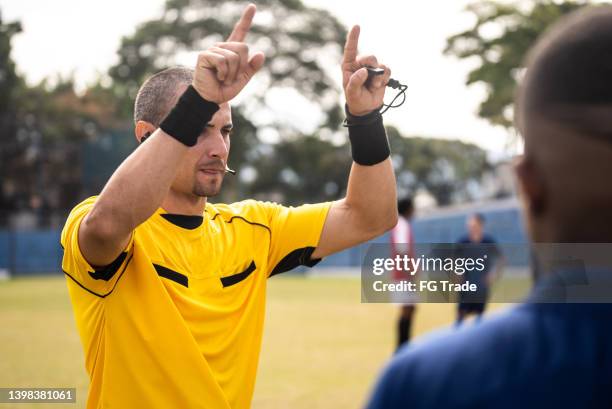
176, 321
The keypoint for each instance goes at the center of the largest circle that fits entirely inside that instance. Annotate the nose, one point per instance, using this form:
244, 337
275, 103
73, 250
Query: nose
216, 146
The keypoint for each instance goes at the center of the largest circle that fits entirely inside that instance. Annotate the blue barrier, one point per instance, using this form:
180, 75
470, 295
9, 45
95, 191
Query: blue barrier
35, 252
5, 250
30, 252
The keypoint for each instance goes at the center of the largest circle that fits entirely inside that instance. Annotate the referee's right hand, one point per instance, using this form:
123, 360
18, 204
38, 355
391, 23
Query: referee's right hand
224, 70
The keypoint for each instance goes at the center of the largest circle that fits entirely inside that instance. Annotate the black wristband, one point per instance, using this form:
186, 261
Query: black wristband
369, 144
189, 117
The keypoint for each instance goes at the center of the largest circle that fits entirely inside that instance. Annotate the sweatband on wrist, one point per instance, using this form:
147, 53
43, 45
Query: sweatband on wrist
369, 144
189, 117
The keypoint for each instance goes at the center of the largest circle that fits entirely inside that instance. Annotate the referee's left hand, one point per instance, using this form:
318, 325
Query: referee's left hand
361, 98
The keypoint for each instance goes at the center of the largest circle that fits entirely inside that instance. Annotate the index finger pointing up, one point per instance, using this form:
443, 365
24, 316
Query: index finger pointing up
350, 48
243, 25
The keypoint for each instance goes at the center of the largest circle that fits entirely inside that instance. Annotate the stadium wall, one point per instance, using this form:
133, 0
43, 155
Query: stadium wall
39, 251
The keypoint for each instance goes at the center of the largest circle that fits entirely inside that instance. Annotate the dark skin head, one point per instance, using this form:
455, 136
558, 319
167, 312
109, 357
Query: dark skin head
563, 115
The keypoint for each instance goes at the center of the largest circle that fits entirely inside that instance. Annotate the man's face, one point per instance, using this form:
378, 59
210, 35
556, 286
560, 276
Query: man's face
201, 173
474, 226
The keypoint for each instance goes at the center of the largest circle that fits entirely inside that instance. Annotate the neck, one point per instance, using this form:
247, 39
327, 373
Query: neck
476, 239
181, 203
574, 224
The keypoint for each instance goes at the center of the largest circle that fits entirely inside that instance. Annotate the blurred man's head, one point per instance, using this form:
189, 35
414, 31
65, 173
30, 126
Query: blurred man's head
202, 172
564, 112
475, 227
405, 207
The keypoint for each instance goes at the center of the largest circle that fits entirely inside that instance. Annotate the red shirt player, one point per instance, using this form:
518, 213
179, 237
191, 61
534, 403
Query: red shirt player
402, 244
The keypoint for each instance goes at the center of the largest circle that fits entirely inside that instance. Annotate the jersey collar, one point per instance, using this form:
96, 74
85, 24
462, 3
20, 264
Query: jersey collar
184, 221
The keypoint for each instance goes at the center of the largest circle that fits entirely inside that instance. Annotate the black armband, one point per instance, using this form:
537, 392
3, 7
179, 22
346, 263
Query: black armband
369, 144
189, 117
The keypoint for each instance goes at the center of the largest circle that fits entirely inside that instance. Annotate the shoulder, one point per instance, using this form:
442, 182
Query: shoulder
77, 213
265, 210
454, 368
488, 239
250, 210
85, 205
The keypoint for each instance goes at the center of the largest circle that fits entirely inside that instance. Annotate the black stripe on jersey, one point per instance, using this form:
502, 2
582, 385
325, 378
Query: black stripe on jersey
95, 293
172, 275
185, 221
243, 219
107, 272
238, 277
298, 257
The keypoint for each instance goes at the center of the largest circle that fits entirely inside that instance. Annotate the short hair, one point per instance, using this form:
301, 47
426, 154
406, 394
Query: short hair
158, 94
405, 205
478, 216
569, 73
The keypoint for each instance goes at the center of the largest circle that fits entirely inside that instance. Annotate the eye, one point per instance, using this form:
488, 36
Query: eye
226, 132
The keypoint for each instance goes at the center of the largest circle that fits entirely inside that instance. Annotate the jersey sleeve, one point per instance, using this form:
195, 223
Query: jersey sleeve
295, 234
98, 281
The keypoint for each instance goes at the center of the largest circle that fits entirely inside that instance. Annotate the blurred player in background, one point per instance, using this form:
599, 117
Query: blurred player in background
168, 290
402, 244
539, 354
475, 244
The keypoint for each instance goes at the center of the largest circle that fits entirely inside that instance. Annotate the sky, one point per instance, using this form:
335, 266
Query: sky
80, 37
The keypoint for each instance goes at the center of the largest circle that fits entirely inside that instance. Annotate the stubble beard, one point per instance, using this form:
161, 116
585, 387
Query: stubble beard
209, 189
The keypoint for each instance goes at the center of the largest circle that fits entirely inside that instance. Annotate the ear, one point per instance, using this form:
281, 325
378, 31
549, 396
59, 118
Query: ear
141, 130
531, 185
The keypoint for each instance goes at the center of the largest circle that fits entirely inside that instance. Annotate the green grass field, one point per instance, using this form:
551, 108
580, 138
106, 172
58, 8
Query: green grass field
322, 348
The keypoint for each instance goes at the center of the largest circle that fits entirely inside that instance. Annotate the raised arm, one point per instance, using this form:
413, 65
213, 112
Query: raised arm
138, 187
370, 206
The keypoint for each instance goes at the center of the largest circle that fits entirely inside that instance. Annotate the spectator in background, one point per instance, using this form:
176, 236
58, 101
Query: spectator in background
7, 202
402, 243
539, 354
41, 210
473, 245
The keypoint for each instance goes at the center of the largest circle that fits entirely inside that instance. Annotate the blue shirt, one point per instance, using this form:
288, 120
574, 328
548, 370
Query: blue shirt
533, 356
487, 247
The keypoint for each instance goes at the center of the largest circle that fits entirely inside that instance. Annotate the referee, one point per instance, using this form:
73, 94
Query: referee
168, 290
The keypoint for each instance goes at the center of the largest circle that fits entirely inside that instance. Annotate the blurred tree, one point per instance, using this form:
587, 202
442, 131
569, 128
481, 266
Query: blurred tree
296, 39
40, 128
49, 130
52, 123
10, 86
308, 169
10, 83
445, 168
499, 41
